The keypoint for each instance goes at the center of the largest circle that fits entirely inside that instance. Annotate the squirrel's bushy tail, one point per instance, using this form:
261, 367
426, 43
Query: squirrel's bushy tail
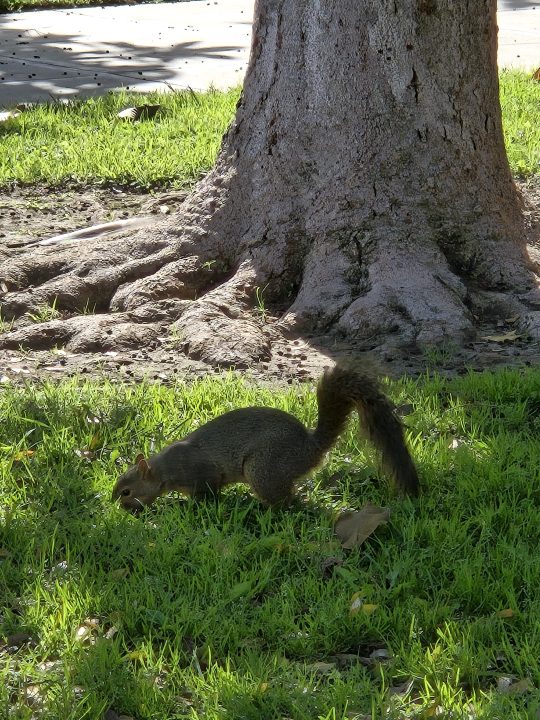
346, 387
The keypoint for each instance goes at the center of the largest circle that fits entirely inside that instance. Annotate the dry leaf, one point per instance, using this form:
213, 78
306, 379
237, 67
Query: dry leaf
353, 527
369, 608
506, 337
536, 75
142, 112
507, 613
84, 632
21, 454
356, 603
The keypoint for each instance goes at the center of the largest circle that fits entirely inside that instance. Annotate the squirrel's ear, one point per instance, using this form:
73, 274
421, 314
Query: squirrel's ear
142, 464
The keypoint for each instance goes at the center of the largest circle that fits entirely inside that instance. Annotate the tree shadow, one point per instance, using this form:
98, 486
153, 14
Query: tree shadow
38, 66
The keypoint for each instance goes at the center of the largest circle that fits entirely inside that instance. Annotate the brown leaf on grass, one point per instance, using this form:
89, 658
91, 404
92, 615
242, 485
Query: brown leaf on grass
358, 605
22, 454
353, 527
506, 613
536, 75
141, 112
505, 337
85, 632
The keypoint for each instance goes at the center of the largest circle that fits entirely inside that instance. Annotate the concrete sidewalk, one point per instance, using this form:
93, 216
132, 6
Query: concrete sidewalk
61, 53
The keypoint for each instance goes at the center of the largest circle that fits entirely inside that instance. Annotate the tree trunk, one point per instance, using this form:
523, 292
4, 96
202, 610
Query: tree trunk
363, 189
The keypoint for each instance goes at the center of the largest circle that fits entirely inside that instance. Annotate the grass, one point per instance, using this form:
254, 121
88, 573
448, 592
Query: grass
223, 610
520, 102
86, 143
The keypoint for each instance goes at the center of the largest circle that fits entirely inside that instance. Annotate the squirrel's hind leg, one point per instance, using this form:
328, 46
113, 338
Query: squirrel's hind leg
271, 481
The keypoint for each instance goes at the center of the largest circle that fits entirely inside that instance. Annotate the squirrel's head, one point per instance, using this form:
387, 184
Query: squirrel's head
138, 487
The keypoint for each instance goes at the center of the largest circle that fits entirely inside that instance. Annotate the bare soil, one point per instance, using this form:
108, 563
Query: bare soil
30, 214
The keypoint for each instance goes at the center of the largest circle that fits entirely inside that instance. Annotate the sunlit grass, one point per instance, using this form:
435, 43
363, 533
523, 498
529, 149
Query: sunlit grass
86, 143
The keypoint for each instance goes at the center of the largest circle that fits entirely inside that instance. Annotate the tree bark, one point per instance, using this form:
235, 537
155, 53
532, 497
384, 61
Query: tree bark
363, 189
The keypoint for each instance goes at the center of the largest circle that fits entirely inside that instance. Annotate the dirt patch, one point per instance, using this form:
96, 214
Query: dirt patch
30, 214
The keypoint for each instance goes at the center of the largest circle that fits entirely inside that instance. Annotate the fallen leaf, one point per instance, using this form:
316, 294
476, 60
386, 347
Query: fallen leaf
353, 527
507, 613
111, 632
505, 337
84, 632
356, 603
368, 608
86, 454
21, 454
536, 75
141, 112
33, 696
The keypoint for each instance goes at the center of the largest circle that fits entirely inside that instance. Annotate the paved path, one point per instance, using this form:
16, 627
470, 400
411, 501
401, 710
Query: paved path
60, 53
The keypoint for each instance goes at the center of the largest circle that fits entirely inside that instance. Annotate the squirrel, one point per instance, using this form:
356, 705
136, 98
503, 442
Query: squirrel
271, 450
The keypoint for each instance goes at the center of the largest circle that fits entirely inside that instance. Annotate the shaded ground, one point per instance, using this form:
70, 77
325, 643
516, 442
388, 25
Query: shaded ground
30, 214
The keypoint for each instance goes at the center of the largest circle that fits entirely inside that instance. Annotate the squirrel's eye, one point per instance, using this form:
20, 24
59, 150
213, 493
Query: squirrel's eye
126, 492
